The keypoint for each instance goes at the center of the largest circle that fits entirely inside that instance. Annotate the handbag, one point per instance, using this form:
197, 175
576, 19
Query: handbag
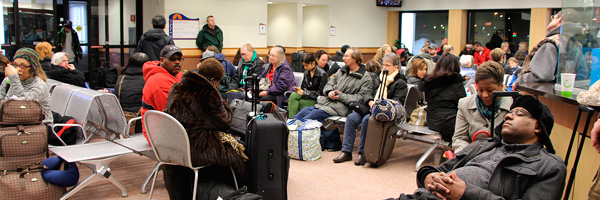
20, 112
303, 141
264, 84
418, 116
387, 110
359, 108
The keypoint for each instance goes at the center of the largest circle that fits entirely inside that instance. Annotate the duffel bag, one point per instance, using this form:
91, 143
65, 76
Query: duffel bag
22, 145
28, 184
241, 108
387, 110
303, 141
20, 112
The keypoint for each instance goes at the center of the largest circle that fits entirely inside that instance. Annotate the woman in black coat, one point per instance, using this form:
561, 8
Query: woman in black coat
312, 86
130, 84
62, 71
443, 88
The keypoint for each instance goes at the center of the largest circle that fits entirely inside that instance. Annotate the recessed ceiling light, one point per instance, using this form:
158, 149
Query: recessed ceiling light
269, 2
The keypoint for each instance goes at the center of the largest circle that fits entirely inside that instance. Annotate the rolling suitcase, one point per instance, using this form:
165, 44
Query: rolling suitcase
268, 164
381, 138
380, 141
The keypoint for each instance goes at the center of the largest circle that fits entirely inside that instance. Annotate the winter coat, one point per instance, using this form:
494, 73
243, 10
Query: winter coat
338, 57
481, 58
227, 66
198, 106
465, 52
283, 81
73, 77
314, 88
33, 88
396, 90
532, 173
469, 121
46, 63
156, 90
205, 38
256, 67
413, 80
130, 90
442, 95
152, 42
62, 38
352, 86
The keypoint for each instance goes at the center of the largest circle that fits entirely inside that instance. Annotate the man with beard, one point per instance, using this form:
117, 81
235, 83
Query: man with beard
159, 77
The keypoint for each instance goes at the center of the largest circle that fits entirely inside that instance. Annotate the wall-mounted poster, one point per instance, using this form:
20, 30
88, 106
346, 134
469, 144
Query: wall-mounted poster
332, 30
182, 27
262, 29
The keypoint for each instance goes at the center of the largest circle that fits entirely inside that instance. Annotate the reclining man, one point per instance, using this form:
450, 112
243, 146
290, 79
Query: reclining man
513, 165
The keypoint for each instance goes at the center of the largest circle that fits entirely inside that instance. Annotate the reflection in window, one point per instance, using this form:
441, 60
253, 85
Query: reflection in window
36, 19
491, 28
417, 28
78, 15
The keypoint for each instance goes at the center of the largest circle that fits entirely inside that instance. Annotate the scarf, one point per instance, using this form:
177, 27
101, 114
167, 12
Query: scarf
389, 80
486, 111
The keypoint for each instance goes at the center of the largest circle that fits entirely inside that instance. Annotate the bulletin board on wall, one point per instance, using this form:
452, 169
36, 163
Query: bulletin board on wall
182, 27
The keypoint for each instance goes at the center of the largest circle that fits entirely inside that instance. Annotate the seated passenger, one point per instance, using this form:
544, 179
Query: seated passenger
384, 49
426, 57
395, 88
196, 103
131, 83
281, 76
496, 55
443, 88
417, 71
44, 50
516, 68
515, 166
321, 58
349, 84
474, 112
25, 80
314, 80
62, 71
159, 77
249, 65
228, 66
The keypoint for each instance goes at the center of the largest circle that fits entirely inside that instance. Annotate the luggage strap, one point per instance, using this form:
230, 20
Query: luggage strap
147, 106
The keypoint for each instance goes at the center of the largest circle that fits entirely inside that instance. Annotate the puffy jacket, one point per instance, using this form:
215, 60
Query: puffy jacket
62, 38
283, 81
481, 58
442, 95
156, 90
352, 86
130, 90
228, 66
205, 38
73, 77
256, 67
532, 173
313, 87
152, 42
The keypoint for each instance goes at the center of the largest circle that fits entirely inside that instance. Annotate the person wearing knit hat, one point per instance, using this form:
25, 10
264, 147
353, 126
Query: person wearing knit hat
23, 82
513, 166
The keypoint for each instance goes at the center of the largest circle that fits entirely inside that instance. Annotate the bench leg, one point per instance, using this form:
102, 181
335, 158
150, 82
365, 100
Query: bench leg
425, 156
101, 171
154, 171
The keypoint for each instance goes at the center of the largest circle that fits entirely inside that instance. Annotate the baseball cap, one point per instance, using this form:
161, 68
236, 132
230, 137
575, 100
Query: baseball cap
68, 24
207, 54
169, 50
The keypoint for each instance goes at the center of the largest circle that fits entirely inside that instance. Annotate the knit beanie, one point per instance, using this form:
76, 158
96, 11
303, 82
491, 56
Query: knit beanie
542, 114
30, 55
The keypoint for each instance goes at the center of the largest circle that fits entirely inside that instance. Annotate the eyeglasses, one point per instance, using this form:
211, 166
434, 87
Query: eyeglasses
22, 66
176, 59
387, 65
520, 112
273, 55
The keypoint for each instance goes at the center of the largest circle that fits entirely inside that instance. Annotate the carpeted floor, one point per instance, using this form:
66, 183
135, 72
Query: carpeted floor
320, 179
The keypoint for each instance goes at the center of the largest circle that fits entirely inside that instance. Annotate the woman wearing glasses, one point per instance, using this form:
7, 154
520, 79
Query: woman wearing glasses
280, 76
25, 80
475, 111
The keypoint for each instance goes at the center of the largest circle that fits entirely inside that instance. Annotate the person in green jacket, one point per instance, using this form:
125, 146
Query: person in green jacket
68, 42
210, 34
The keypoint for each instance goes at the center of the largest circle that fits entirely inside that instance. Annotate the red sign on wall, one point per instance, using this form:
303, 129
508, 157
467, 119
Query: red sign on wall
488, 23
132, 18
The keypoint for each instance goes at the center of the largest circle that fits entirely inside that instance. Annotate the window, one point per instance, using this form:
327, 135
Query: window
419, 27
491, 28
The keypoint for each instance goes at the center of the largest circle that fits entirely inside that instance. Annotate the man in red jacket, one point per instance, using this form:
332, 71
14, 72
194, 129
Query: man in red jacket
159, 77
482, 54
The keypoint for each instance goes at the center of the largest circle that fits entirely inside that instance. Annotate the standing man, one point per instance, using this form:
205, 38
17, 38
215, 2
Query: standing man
68, 42
154, 39
210, 34
159, 77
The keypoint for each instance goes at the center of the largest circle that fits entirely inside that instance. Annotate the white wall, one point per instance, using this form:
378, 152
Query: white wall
359, 23
151, 9
315, 31
282, 25
411, 5
238, 19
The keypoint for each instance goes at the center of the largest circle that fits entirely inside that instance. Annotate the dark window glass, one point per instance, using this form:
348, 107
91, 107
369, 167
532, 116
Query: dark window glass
419, 27
491, 28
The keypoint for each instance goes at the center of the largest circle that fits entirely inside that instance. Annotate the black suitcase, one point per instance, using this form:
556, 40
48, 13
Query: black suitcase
297, 61
268, 164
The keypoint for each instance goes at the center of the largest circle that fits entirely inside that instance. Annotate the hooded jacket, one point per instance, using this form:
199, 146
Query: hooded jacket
130, 90
314, 88
62, 38
442, 95
156, 90
353, 87
152, 42
206, 38
532, 173
227, 66
73, 77
255, 67
283, 81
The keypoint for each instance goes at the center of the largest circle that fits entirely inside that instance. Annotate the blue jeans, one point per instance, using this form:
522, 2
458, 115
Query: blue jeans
329, 139
352, 122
